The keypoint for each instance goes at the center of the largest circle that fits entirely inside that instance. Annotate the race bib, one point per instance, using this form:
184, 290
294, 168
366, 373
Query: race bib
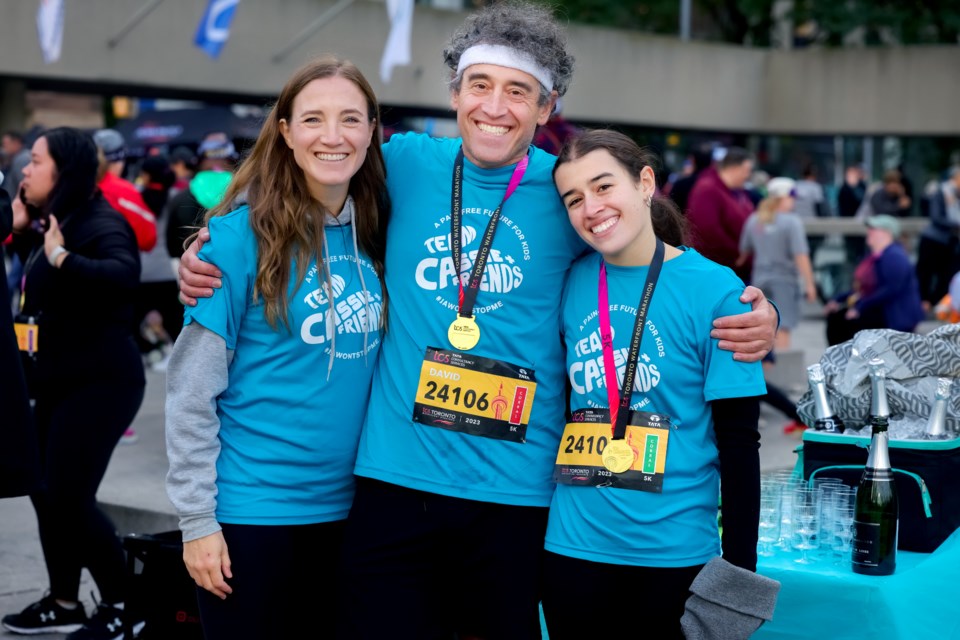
474, 395
580, 458
28, 336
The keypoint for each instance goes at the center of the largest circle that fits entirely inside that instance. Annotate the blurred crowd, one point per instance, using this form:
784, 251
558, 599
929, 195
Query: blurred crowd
163, 196
740, 215
752, 222
721, 190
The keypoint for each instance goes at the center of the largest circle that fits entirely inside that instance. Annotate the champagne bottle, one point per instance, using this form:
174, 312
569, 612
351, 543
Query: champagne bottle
876, 516
937, 424
825, 420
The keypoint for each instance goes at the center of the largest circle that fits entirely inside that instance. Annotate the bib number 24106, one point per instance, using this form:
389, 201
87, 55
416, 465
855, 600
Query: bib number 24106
474, 395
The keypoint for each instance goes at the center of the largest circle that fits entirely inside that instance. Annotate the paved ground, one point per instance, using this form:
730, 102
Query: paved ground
133, 488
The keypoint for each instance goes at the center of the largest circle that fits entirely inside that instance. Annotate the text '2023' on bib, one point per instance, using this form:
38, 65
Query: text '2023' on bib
580, 460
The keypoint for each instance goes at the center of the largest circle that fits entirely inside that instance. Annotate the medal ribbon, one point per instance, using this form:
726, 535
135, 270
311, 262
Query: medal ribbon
466, 300
620, 399
31, 259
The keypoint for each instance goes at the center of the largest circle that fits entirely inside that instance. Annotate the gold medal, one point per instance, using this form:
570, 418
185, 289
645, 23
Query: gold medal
618, 456
464, 334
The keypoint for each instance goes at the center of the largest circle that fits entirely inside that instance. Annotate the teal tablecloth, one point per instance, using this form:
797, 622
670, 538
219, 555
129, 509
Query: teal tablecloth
826, 601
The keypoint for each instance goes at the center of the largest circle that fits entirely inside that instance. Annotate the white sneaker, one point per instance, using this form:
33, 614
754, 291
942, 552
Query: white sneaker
161, 365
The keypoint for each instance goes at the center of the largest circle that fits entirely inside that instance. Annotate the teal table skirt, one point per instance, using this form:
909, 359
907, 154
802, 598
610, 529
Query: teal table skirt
827, 601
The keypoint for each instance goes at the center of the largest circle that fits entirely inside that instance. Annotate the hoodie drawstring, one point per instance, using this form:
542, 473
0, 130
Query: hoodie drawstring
346, 216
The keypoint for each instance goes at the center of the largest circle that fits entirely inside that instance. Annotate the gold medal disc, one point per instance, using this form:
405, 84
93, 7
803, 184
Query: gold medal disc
618, 456
464, 334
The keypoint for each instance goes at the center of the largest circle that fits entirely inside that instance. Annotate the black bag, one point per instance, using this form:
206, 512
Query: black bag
925, 472
162, 593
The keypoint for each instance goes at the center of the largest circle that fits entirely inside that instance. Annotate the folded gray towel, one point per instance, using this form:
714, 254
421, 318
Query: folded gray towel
728, 603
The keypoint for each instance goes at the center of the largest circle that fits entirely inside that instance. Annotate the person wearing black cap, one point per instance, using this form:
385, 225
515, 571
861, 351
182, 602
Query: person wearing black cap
123, 194
183, 162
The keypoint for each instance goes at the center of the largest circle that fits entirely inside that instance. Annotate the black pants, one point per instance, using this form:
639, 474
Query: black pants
776, 398
425, 566
583, 599
839, 329
936, 264
285, 583
79, 427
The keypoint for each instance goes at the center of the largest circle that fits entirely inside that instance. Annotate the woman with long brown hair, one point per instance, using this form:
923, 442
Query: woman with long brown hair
268, 382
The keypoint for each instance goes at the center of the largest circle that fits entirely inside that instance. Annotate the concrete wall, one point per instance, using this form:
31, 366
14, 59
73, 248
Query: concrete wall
622, 77
627, 77
906, 90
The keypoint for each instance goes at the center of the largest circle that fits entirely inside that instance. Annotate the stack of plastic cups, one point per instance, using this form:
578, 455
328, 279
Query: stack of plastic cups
807, 506
825, 537
787, 481
769, 531
843, 508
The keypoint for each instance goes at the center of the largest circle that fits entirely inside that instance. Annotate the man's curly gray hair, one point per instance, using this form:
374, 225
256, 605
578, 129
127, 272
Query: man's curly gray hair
526, 27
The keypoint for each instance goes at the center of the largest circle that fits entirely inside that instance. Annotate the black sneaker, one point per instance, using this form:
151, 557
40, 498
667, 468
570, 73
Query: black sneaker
105, 624
45, 616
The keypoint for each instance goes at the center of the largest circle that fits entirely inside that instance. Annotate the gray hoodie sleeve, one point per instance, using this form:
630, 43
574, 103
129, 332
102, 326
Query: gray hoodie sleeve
196, 376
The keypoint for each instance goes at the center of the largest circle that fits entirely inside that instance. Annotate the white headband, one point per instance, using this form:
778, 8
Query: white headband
504, 56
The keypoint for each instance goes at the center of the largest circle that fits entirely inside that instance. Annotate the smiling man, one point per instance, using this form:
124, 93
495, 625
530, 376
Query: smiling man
455, 462
467, 404
467, 407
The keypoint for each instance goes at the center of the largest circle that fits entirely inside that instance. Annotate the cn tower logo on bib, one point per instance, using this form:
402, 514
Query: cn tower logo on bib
504, 269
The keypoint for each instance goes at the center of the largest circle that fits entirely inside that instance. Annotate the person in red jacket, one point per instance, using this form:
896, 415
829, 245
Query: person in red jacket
718, 208
122, 194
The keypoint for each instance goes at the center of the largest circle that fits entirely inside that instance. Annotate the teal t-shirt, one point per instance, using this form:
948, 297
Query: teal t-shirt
288, 432
517, 309
679, 372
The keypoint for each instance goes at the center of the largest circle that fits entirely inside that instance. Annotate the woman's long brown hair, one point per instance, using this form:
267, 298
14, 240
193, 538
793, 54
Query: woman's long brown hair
285, 218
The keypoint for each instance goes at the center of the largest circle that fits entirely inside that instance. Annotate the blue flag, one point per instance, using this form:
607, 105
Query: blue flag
214, 27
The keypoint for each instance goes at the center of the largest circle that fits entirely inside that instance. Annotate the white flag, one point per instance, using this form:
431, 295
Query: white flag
50, 29
397, 50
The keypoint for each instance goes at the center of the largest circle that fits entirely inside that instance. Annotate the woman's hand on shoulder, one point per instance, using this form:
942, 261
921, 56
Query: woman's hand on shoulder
749, 335
208, 563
